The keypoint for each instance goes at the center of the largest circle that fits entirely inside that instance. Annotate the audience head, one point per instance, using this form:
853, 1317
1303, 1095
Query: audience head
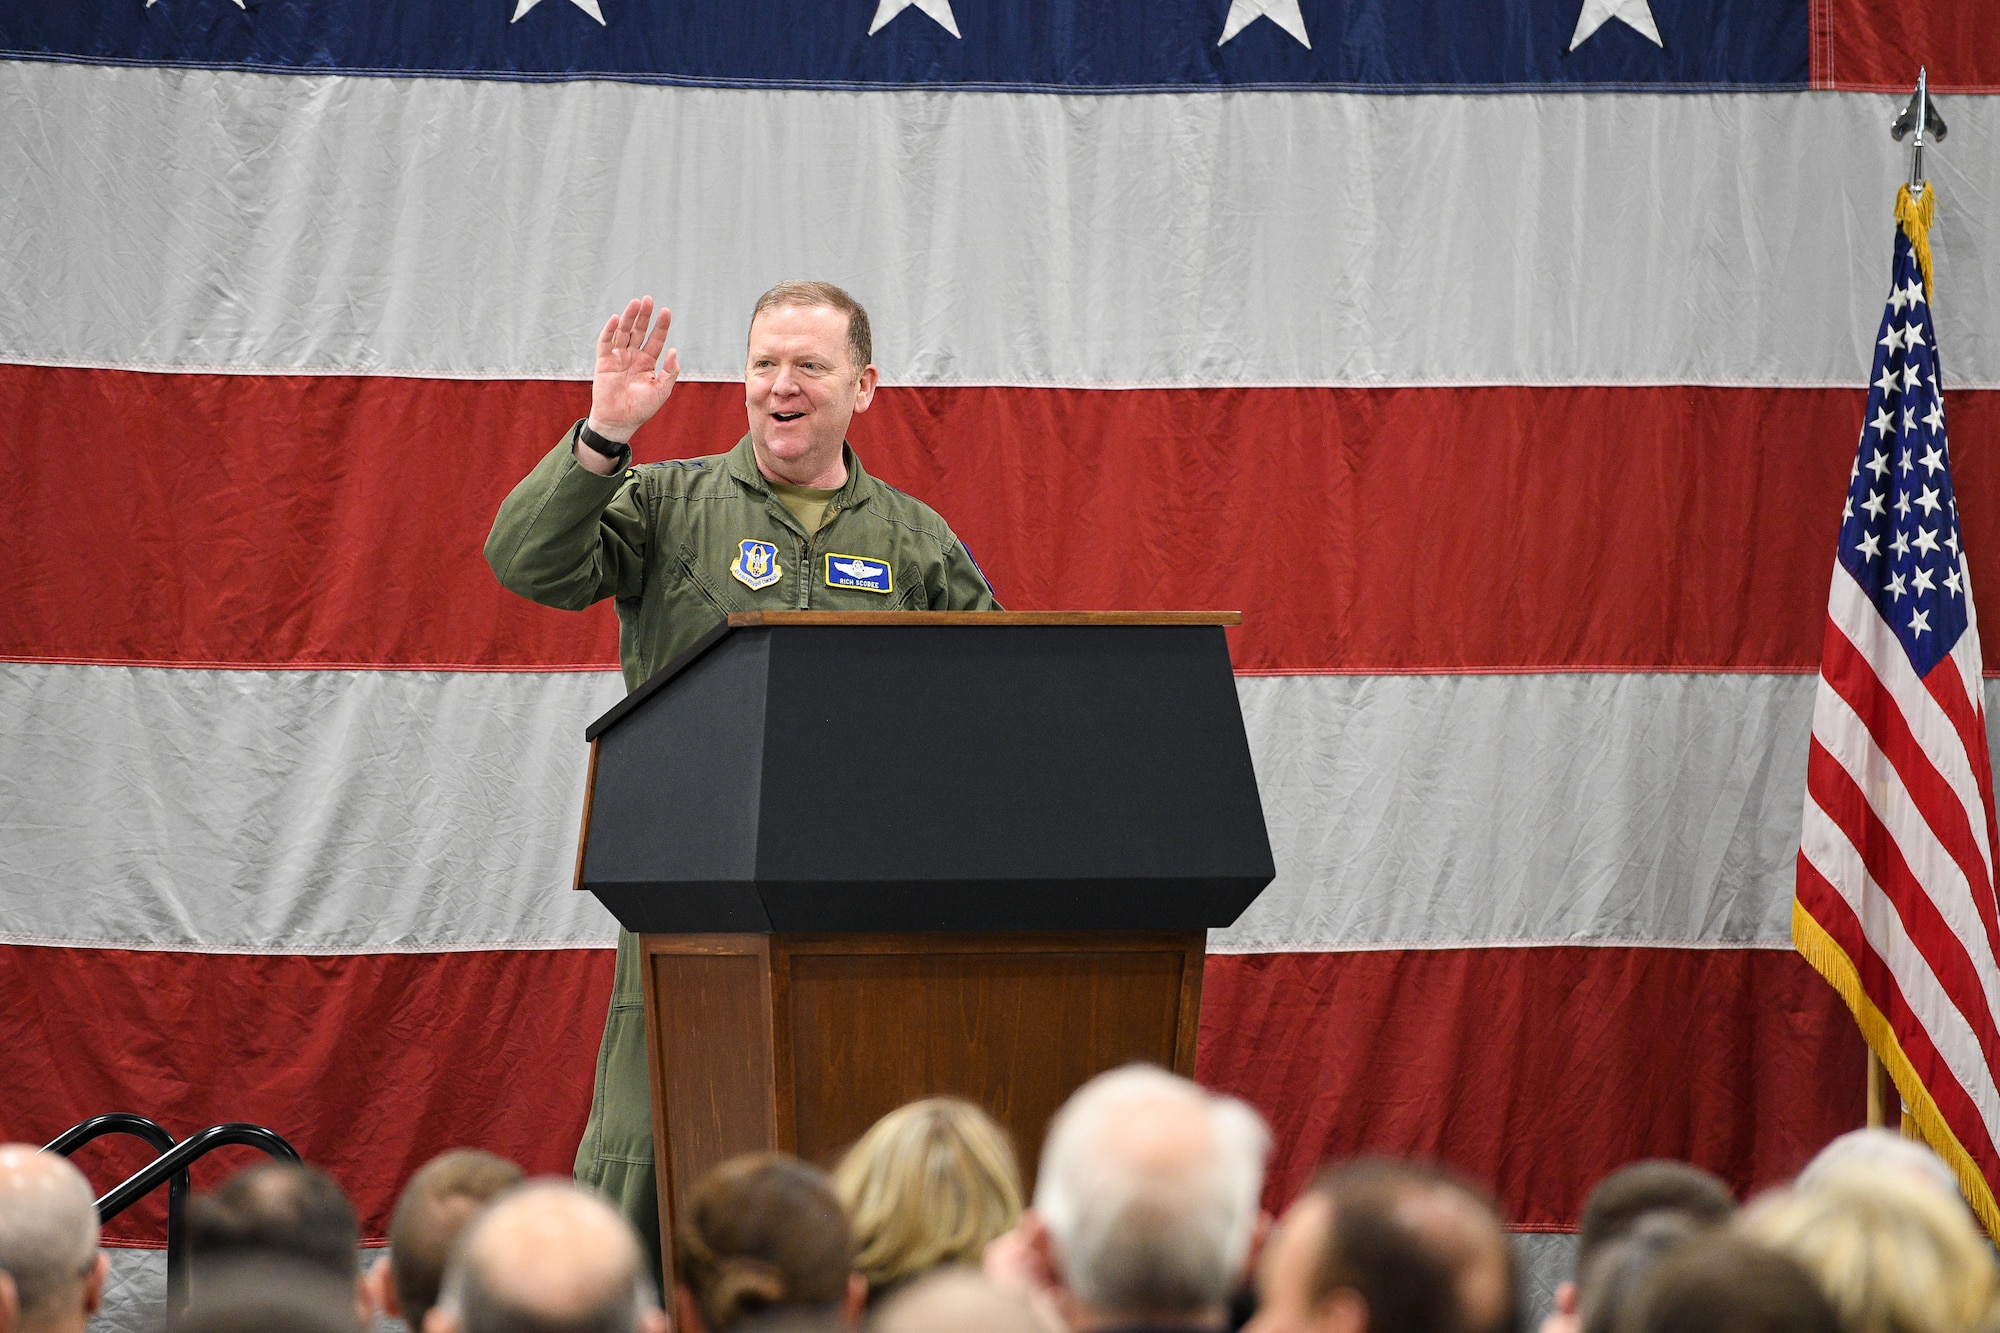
547, 1258
1634, 1190
1388, 1248
277, 1208
48, 1242
1147, 1200
1884, 1148
759, 1235
1889, 1249
1721, 1282
958, 1300
1606, 1285
930, 1183
435, 1207
267, 1293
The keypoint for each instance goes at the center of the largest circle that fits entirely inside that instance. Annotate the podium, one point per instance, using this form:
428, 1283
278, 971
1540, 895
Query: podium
878, 856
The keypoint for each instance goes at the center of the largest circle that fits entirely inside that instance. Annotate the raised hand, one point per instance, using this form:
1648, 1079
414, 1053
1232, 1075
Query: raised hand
632, 381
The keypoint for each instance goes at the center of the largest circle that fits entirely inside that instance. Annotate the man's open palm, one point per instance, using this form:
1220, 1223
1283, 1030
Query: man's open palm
632, 381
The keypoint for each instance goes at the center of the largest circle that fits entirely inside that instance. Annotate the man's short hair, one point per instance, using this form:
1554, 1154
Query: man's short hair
48, 1232
1632, 1191
1149, 1188
440, 1199
761, 1233
267, 1293
547, 1258
1878, 1148
1409, 1240
1722, 1283
277, 1208
1605, 1286
823, 295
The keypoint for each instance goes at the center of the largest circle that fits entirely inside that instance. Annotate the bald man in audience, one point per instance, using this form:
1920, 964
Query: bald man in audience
444, 1195
955, 1300
1146, 1207
547, 1258
48, 1243
1382, 1247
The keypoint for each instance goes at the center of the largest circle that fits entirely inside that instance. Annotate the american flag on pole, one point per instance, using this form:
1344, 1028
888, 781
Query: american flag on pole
1895, 900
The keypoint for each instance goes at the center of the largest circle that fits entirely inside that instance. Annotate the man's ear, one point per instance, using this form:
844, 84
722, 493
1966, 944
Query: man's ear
381, 1280
866, 394
1343, 1311
687, 1318
855, 1304
1566, 1298
10, 1304
1260, 1235
655, 1321
440, 1320
93, 1284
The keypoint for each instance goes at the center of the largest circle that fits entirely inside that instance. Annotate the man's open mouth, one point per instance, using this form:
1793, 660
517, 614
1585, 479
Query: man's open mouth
786, 416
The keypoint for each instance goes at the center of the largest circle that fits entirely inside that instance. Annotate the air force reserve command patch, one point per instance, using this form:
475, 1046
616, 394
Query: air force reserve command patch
858, 571
756, 564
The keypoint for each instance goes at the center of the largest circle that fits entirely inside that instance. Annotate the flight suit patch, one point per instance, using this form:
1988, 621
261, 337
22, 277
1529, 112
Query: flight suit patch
756, 564
858, 571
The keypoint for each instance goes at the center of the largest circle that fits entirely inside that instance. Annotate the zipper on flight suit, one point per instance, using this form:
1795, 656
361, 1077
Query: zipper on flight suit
805, 558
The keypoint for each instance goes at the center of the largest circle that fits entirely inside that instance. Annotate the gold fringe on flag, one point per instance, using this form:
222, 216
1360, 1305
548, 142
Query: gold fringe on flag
1830, 961
1915, 215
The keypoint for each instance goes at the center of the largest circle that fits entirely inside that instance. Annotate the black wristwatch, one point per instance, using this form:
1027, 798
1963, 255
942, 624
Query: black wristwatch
597, 444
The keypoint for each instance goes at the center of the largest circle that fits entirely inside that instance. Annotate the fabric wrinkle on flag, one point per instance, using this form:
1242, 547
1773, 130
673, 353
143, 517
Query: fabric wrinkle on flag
1895, 901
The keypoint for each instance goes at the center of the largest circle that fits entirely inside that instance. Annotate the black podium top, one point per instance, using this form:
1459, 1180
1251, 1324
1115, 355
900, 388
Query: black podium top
832, 771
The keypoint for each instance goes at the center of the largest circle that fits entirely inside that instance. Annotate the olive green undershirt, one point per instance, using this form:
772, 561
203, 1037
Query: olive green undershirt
807, 503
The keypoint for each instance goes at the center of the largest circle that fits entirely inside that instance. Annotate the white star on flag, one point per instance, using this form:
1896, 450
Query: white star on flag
587, 6
1935, 417
1284, 13
1634, 14
939, 10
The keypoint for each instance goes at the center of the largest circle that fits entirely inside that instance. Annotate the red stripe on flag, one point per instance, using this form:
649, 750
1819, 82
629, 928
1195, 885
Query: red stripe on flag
1830, 787
1536, 1071
1848, 674
1824, 903
369, 1064
338, 520
1877, 45
1947, 686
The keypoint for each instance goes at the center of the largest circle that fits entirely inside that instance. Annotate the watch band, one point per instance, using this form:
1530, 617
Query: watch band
597, 444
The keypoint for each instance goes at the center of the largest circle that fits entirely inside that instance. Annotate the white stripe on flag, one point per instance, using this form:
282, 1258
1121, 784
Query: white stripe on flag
485, 228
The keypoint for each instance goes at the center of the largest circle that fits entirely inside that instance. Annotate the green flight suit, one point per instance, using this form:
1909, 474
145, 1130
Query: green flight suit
679, 546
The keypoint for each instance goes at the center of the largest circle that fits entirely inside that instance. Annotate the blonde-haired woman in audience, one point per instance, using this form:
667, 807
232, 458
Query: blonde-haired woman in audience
929, 1184
1894, 1253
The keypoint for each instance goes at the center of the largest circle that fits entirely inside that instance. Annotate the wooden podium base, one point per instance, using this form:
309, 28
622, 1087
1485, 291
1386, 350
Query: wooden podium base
800, 1042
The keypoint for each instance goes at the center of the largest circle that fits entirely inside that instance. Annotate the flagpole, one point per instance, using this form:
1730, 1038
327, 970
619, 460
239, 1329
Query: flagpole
1919, 117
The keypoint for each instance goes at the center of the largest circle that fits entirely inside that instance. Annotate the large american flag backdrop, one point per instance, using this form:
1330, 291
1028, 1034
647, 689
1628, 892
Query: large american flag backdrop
1500, 361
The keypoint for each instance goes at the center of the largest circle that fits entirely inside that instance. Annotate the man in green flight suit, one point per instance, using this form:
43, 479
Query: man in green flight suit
785, 520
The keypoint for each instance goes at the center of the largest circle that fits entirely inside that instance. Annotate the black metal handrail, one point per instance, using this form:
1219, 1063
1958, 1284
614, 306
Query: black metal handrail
169, 1168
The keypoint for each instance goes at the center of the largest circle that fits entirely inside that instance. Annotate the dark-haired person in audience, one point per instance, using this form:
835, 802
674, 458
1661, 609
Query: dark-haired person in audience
444, 1195
1620, 1200
929, 1184
1606, 1285
48, 1243
1721, 1282
765, 1244
1145, 1212
1382, 1247
267, 1294
547, 1258
281, 1209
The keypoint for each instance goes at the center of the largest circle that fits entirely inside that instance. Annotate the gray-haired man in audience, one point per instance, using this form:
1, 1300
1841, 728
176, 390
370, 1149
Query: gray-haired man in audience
1145, 1207
48, 1242
547, 1258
